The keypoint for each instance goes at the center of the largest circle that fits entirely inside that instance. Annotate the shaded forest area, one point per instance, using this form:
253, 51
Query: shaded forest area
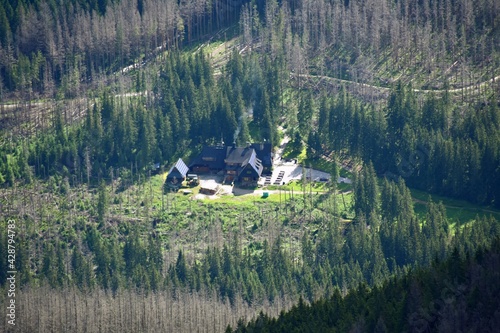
106, 270
430, 142
105, 242
459, 294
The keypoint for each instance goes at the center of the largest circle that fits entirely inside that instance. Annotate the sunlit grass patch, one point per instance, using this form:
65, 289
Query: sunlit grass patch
457, 211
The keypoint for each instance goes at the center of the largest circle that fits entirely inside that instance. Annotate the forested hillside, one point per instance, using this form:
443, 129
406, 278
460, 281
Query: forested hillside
401, 97
54, 46
455, 295
60, 46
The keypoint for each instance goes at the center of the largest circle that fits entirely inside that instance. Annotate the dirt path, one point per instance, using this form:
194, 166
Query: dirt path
485, 210
239, 192
16, 113
385, 89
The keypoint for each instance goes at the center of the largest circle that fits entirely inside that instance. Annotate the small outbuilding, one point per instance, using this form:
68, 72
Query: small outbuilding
209, 189
177, 174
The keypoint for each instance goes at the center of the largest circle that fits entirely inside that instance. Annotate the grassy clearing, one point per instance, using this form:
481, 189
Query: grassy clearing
244, 200
457, 211
291, 153
319, 164
146, 201
298, 187
344, 187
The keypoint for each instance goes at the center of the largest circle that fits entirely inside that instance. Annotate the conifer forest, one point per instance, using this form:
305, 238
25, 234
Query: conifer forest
371, 129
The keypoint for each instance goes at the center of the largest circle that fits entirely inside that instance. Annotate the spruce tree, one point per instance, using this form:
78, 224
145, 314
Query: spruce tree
102, 202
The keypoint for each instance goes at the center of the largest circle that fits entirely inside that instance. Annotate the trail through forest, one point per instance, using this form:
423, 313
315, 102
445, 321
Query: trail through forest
484, 210
472, 87
33, 110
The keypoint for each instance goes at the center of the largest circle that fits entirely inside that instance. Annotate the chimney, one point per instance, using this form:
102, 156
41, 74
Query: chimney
221, 144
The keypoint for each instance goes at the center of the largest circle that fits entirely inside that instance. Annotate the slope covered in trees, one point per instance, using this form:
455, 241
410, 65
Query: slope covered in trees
95, 226
429, 43
53, 46
60, 46
433, 144
307, 249
185, 108
458, 294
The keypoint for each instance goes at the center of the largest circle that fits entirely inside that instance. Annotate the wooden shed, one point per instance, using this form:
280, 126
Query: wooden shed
177, 174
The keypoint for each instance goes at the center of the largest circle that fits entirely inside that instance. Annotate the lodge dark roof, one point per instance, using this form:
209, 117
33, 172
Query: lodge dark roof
257, 155
212, 157
264, 153
179, 168
253, 163
239, 155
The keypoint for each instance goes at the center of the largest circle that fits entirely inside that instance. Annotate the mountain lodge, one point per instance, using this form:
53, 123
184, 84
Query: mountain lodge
244, 165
